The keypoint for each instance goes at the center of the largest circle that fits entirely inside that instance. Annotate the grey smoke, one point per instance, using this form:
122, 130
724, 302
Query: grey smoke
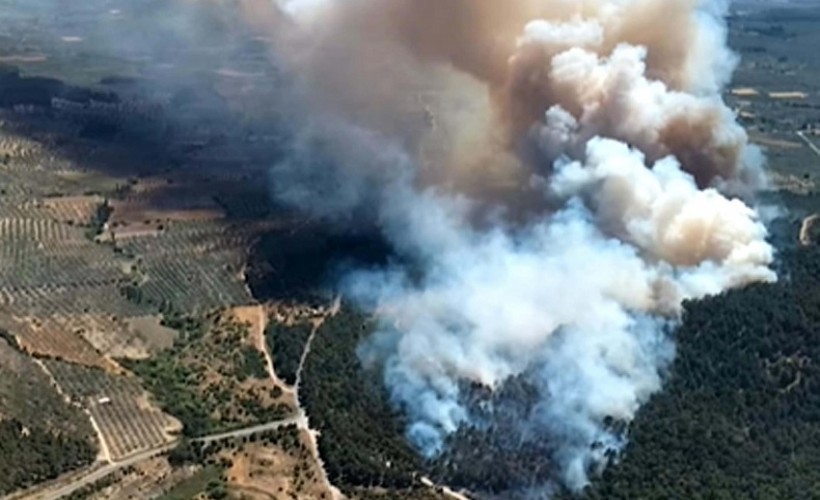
632, 180
557, 176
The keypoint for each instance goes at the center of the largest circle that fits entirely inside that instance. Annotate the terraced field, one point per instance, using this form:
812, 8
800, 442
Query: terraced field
72, 209
128, 421
89, 298
35, 252
50, 339
192, 266
115, 220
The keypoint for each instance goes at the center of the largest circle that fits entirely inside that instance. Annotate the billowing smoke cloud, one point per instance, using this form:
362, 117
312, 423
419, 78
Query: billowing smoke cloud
557, 175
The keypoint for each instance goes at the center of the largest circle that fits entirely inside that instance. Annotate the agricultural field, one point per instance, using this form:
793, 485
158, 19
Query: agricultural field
21, 378
49, 338
93, 339
776, 95
128, 421
99, 253
189, 267
127, 216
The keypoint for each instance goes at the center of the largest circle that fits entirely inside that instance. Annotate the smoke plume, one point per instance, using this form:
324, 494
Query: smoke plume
558, 176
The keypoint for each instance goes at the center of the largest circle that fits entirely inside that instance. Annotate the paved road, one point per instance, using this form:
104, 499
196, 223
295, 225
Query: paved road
249, 431
62, 490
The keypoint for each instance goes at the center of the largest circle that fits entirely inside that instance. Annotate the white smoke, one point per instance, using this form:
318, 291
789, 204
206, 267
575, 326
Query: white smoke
631, 180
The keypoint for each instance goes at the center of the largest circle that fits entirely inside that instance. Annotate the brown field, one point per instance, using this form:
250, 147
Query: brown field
218, 364
72, 209
127, 214
162, 200
143, 230
50, 338
92, 339
255, 318
149, 329
264, 471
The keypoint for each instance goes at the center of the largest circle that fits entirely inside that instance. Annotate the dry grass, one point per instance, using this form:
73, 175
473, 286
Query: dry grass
51, 338
155, 336
253, 317
74, 209
267, 472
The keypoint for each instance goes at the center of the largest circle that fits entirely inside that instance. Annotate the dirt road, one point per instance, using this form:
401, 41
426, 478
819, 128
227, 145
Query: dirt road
444, 489
808, 142
304, 423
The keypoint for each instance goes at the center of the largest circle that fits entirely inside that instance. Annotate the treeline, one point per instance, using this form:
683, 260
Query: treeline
361, 442
287, 343
176, 386
739, 417
31, 455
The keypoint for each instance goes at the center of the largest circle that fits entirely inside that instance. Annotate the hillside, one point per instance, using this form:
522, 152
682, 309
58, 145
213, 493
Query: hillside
740, 415
41, 434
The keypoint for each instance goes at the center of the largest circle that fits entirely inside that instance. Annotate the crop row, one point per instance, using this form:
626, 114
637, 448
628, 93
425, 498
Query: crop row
12, 229
100, 298
195, 283
128, 422
71, 271
78, 209
185, 237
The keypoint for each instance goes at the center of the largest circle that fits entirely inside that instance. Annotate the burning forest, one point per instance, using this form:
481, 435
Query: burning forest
577, 178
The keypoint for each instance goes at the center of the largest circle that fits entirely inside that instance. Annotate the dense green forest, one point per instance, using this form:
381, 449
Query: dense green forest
739, 416
286, 343
362, 442
30, 455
